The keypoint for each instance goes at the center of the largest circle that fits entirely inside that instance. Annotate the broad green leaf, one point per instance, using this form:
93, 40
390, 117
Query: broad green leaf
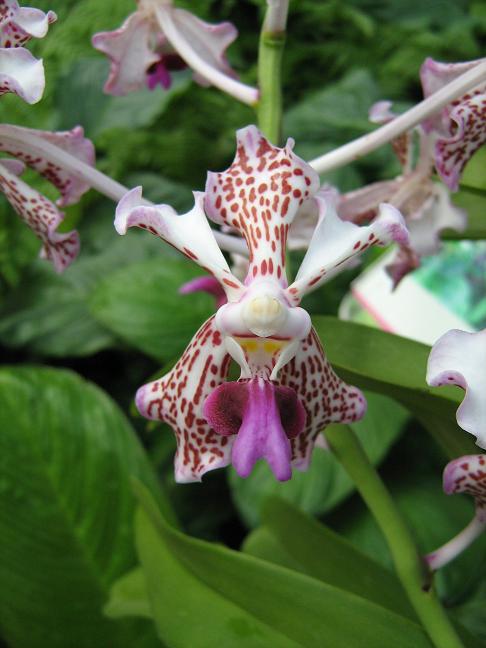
325, 484
395, 366
323, 554
142, 305
201, 593
67, 456
128, 596
473, 175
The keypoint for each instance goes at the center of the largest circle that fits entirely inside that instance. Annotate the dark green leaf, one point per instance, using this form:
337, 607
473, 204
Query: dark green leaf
326, 483
142, 305
128, 596
67, 455
395, 366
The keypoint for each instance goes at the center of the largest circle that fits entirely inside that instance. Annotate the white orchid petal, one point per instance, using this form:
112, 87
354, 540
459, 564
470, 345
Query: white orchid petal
22, 74
459, 358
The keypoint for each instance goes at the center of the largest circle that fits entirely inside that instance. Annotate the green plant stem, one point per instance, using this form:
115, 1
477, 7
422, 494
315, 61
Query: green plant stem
269, 107
411, 569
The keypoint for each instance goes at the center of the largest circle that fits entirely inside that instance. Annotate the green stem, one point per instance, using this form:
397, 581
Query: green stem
411, 569
269, 107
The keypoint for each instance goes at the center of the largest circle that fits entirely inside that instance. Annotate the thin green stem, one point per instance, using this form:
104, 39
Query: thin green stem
410, 567
269, 107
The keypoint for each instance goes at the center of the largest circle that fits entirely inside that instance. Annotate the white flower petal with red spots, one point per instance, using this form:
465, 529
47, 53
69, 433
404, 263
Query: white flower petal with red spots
468, 475
461, 125
459, 358
73, 142
178, 398
41, 215
21, 74
325, 397
131, 52
19, 24
259, 196
335, 242
190, 233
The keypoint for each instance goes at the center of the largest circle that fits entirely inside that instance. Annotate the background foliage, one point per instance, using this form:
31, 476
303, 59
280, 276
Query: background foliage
115, 318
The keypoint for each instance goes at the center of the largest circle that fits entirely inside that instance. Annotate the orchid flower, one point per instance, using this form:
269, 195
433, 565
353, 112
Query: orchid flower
459, 358
158, 39
20, 72
425, 204
39, 213
460, 127
287, 391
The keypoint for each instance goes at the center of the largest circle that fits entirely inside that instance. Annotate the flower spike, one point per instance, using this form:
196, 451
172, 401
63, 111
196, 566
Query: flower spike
459, 358
287, 392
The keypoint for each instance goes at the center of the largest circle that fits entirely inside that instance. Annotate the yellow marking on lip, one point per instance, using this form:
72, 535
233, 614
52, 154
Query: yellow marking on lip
269, 345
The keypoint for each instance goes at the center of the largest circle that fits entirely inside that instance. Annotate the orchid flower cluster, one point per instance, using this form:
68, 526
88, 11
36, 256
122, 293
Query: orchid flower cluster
267, 201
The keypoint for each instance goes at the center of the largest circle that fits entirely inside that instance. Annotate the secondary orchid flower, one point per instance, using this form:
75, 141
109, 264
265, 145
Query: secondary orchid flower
38, 212
159, 38
459, 358
425, 204
460, 128
20, 72
287, 391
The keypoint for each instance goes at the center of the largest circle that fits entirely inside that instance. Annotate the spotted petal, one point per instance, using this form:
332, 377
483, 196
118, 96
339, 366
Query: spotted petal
325, 397
459, 358
190, 233
259, 196
178, 398
461, 125
335, 242
21, 74
131, 52
73, 142
19, 24
40, 214
468, 475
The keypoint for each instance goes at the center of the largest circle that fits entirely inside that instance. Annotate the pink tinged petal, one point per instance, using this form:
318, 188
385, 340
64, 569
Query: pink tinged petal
131, 52
468, 475
263, 416
205, 284
459, 358
208, 41
21, 74
361, 205
73, 142
259, 196
335, 242
189, 233
381, 112
325, 397
178, 398
19, 24
404, 261
41, 215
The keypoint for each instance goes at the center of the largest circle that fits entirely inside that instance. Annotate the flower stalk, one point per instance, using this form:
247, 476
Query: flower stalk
363, 145
272, 43
410, 567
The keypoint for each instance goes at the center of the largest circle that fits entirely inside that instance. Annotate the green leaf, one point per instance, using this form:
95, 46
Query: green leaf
326, 483
142, 305
81, 100
128, 597
473, 175
475, 205
395, 366
203, 593
67, 455
319, 552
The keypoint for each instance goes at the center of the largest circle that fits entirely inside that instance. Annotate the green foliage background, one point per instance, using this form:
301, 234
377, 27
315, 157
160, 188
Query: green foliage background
115, 317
